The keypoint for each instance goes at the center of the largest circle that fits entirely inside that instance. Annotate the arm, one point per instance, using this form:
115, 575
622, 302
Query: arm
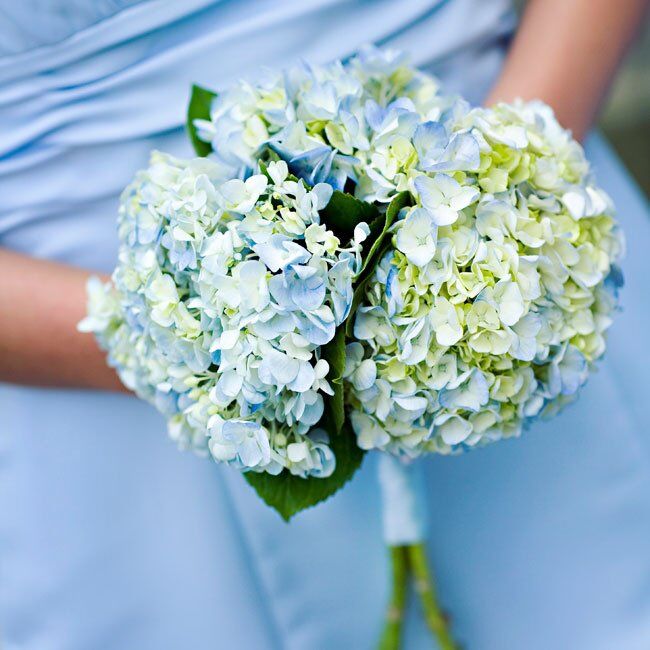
40, 305
565, 53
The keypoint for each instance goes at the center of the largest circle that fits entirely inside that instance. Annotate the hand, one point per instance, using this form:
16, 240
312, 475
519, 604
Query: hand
41, 303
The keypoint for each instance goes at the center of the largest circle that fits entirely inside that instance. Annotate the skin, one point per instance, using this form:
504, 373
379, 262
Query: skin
41, 303
565, 53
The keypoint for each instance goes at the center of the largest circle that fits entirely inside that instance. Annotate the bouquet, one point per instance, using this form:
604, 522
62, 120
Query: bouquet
356, 261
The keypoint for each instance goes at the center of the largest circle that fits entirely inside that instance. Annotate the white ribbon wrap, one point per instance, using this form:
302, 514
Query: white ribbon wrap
402, 488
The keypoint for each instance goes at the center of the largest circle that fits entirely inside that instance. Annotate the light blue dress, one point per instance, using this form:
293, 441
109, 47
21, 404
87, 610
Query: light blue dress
110, 539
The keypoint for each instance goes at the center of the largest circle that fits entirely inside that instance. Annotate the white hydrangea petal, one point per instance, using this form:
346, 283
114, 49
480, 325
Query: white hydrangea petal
416, 237
454, 430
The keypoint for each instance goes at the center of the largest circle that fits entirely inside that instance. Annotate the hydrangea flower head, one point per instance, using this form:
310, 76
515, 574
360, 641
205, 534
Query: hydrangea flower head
224, 293
328, 122
493, 303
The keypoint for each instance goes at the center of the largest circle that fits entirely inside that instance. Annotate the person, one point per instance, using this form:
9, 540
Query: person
111, 538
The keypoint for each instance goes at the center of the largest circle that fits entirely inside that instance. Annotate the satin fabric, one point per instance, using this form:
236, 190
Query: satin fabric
112, 539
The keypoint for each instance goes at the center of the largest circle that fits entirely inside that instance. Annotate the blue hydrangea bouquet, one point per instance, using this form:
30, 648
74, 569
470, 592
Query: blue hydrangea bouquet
356, 261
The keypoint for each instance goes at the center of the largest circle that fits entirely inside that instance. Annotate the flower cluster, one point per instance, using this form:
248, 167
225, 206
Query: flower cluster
223, 295
494, 300
336, 123
487, 304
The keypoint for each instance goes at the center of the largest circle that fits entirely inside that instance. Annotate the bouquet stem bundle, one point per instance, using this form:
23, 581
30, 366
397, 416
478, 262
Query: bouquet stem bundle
405, 515
392, 633
408, 563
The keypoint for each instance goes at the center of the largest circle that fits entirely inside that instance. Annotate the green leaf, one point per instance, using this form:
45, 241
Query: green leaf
381, 225
334, 353
199, 109
264, 169
289, 494
379, 241
344, 212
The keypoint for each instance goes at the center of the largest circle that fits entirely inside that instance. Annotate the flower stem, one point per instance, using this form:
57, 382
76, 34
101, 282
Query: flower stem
392, 634
424, 586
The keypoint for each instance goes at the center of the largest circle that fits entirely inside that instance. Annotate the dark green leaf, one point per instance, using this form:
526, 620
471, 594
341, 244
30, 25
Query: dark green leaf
344, 212
380, 226
378, 242
264, 169
199, 109
290, 494
266, 155
334, 353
